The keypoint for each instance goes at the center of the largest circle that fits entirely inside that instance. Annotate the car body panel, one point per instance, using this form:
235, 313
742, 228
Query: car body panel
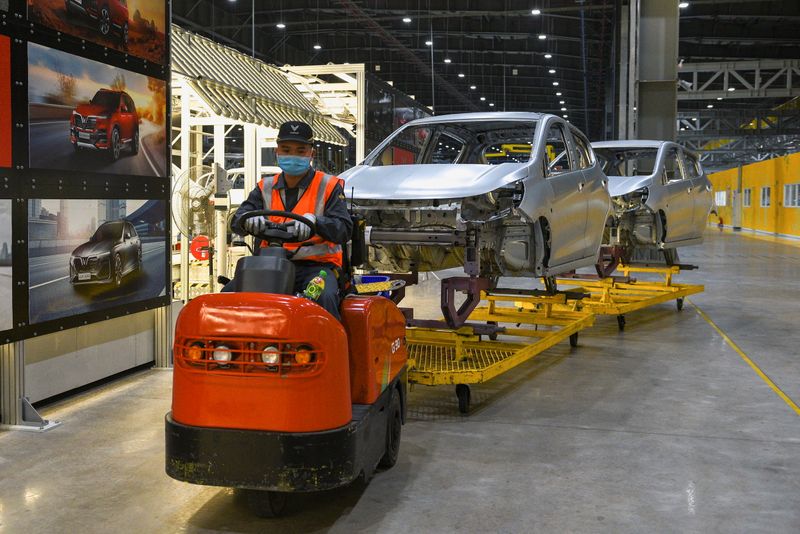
450, 195
680, 192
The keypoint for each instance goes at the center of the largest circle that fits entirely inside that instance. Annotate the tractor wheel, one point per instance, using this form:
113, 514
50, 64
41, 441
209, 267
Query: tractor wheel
394, 427
266, 504
463, 394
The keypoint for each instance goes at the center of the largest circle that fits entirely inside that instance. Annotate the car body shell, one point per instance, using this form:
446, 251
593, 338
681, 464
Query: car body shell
93, 262
92, 125
678, 198
563, 211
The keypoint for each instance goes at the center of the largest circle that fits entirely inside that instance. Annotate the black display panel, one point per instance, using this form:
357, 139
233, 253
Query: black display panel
86, 255
5, 101
135, 27
88, 116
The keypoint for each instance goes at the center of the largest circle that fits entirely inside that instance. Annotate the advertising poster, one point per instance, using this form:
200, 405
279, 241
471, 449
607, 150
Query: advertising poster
5, 101
132, 26
88, 116
6, 320
88, 255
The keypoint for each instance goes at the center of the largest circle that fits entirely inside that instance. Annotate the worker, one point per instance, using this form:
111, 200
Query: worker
316, 196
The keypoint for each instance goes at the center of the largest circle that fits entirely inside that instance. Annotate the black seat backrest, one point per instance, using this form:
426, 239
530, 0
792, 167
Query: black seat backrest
269, 272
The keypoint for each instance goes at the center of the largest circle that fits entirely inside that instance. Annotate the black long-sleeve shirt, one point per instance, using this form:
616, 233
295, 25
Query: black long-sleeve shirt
334, 225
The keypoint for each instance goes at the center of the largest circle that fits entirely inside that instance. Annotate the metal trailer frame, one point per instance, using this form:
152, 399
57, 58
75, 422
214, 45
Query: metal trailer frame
620, 295
460, 355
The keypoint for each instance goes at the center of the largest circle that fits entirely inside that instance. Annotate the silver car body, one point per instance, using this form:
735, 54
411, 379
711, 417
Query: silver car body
432, 199
662, 196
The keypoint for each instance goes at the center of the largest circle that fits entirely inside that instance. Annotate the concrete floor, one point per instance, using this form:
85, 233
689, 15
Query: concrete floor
660, 428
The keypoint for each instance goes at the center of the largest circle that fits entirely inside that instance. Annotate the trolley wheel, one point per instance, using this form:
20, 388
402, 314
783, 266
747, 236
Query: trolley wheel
573, 340
394, 426
463, 394
679, 303
266, 504
492, 336
621, 322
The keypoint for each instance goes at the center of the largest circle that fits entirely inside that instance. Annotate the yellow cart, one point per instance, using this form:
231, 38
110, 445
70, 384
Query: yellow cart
622, 295
470, 354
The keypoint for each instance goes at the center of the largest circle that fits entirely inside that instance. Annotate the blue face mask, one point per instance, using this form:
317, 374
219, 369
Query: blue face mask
294, 165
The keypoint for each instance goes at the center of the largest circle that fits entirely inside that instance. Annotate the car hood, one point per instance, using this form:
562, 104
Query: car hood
91, 248
622, 185
92, 109
426, 182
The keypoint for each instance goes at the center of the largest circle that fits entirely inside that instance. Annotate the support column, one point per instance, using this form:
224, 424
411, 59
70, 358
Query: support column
162, 337
658, 69
16, 412
186, 163
361, 114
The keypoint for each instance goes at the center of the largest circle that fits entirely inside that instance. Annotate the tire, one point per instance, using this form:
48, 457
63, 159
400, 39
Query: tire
463, 394
135, 142
139, 263
492, 336
573, 340
267, 504
114, 149
394, 429
117, 269
104, 21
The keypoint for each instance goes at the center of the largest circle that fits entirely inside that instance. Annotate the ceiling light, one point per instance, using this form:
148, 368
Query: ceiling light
694, 119
280, 25
683, 5
542, 37
719, 98
448, 60
558, 93
483, 98
514, 72
710, 106
561, 102
552, 71
473, 87
536, 11
317, 47
565, 116
460, 74
548, 56
731, 89
563, 109
428, 43
406, 20
555, 83
491, 105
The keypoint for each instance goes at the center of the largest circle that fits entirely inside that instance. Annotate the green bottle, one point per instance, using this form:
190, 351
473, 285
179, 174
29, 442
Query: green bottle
316, 286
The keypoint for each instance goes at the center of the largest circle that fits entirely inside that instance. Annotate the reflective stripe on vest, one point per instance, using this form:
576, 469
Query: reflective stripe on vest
322, 185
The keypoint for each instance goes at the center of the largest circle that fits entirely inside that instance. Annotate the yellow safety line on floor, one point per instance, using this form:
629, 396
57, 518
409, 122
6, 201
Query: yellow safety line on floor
747, 360
745, 232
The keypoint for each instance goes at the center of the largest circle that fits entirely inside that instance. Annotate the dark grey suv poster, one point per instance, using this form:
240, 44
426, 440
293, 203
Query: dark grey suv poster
88, 255
6, 320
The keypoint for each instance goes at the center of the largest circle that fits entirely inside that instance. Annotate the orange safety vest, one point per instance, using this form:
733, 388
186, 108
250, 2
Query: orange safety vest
312, 200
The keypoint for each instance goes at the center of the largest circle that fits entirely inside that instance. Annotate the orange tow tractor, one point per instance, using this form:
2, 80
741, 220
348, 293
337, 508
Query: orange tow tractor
273, 395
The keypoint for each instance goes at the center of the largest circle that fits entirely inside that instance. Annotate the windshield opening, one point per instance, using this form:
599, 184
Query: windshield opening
627, 162
109, 230
106, 99
473, 142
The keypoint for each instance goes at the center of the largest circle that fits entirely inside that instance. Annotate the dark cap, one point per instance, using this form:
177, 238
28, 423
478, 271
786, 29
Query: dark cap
296, 131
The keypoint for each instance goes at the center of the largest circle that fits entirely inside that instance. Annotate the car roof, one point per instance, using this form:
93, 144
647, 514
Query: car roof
481, 116
632, 143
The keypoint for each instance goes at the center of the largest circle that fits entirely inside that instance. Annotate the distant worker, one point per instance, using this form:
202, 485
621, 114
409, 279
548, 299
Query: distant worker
720, 224
313, 194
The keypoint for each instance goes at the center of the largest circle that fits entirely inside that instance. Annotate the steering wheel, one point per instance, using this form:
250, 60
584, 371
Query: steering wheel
276, 232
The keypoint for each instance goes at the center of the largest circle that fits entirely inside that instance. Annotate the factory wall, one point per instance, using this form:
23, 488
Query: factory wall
762, 196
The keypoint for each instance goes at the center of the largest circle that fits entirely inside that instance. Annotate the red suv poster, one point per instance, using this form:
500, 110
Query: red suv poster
5, 101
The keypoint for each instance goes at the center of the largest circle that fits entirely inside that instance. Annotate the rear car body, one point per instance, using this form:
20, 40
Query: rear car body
511, 194
662, 196
111, 15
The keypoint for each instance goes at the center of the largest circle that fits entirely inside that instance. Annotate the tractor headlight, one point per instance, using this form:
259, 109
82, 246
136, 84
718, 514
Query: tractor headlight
222, 353
271, 355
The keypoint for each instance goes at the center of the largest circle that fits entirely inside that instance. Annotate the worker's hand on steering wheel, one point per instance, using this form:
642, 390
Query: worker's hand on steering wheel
302, 231
256, 225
